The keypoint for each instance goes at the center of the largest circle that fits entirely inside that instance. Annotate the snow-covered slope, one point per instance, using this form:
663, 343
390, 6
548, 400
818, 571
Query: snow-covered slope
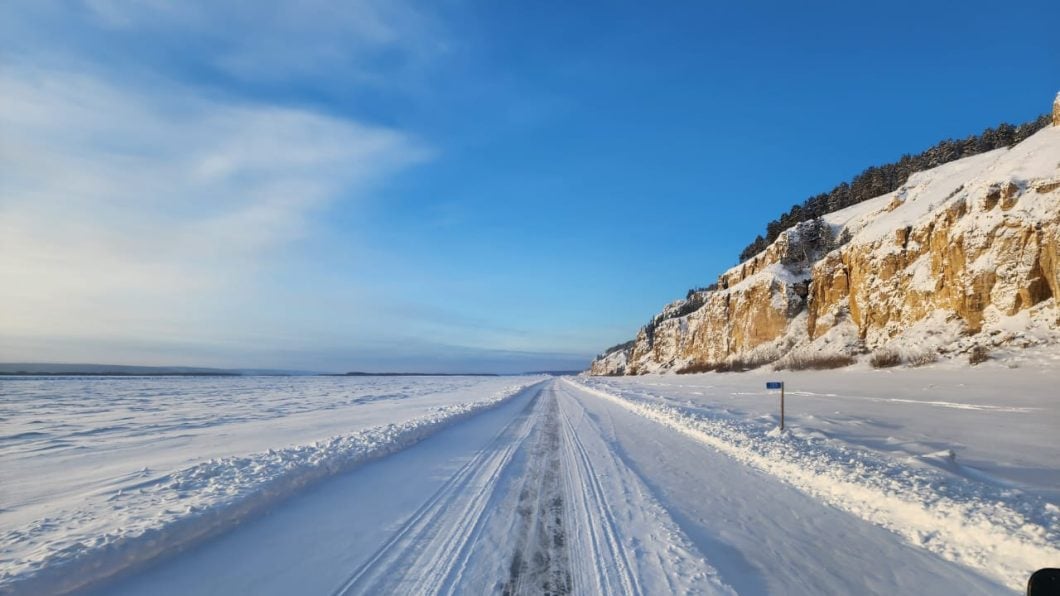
966, 254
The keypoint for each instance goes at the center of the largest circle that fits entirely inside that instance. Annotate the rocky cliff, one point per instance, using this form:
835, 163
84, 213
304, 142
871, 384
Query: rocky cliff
963, 255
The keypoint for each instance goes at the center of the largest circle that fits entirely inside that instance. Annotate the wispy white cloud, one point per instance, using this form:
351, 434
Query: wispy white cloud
361, 41
167, 170
125, 212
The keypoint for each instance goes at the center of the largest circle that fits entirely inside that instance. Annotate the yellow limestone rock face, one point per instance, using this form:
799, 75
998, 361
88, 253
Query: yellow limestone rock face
1003, 262
752, 305
967, 243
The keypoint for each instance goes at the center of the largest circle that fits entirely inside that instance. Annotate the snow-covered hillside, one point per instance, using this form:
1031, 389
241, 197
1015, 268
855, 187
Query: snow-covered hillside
966, 254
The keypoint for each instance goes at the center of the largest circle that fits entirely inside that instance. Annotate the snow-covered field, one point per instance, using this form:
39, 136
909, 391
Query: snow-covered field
100, 473
962, 462
933, 480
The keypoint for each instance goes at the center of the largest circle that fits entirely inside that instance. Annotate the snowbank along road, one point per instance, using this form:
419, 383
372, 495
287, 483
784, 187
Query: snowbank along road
568, 489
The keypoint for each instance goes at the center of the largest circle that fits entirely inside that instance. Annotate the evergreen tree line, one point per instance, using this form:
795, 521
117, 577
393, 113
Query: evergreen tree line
879, 180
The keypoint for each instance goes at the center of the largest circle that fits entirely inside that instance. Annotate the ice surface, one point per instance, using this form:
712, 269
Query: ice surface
869, 442
102, 472
562, 490
885, 481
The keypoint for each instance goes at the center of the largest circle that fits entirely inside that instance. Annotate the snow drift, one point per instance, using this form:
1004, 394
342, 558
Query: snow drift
164, 514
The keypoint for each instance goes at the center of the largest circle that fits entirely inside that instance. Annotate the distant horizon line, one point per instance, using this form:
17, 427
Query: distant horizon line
97, 369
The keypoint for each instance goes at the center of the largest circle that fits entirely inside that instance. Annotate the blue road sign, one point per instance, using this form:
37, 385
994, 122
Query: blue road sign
774, 385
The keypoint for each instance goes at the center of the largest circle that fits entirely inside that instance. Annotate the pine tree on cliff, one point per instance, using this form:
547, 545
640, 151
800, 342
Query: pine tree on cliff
879, 180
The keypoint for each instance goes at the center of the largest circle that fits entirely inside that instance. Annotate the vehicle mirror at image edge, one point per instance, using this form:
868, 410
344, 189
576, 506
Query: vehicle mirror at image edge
1044, 582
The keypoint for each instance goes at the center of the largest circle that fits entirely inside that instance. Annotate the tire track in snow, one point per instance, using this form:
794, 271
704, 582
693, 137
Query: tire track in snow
541, 561
545, 508
428, 552
987, 537
592, 509
622, 539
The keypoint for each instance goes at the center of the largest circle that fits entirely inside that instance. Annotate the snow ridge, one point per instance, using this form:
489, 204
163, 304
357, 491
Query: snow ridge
1002, 533
167, 514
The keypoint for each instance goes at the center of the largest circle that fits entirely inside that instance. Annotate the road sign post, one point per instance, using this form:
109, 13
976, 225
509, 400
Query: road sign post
778, 385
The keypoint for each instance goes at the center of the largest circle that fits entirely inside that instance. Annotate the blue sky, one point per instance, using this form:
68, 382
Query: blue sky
450, 186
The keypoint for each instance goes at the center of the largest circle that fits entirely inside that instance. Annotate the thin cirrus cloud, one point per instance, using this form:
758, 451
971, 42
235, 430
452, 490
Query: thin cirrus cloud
360, 42
168, 177
124, 213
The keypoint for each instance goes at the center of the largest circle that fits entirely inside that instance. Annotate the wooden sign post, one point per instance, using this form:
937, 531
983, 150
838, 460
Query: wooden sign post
778, 385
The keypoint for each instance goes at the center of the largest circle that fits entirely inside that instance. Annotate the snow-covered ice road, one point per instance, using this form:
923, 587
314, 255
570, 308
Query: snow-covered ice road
558, 490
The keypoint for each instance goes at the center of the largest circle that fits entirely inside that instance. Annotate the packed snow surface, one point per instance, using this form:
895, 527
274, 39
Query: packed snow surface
100, 473
935, 480
960, 462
